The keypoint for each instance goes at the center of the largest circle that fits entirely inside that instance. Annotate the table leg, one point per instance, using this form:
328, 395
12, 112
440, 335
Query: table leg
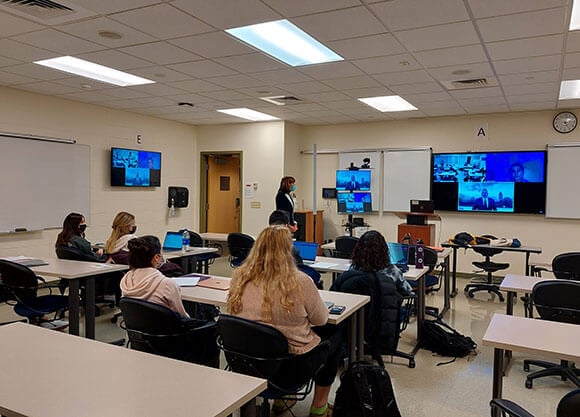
90, 308
527, 263
352, 340
248, 409
73, 306
511, 296
420, 310
361, 333
496, 391
447, 291
454, 274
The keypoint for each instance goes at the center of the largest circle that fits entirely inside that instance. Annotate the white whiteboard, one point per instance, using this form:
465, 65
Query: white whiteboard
407, 176
41, 182
562, 199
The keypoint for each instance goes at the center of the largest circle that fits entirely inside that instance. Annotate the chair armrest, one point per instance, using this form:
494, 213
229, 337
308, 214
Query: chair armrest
509, 407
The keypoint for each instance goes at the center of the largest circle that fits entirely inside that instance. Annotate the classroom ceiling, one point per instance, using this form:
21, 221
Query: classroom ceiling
422, 50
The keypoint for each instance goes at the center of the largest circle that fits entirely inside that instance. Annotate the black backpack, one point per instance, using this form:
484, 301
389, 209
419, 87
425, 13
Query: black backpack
444, 340
365, 391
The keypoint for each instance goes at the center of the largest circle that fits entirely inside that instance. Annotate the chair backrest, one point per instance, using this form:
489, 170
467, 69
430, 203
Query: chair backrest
567, 266
344, 246
19, 282
195, 239
156, 329
557, 300
569, 405
312, 273
121, 257
239, 245
73, 254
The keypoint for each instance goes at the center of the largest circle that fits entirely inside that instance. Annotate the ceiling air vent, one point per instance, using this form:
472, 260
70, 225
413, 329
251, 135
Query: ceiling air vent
281, 100
45, 11
472, 83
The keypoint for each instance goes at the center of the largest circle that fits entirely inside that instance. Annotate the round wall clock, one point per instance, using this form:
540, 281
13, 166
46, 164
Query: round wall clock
565, 122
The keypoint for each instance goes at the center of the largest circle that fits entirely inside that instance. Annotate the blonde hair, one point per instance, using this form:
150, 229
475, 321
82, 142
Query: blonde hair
270, 264
121, 226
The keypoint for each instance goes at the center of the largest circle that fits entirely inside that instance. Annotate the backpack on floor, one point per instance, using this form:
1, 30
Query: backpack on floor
444, 340
365, 391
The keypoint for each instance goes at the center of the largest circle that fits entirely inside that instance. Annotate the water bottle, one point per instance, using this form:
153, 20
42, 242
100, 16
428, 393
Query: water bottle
419, 255
185, 240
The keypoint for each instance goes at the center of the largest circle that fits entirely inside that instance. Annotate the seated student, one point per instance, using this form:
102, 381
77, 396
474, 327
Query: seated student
145, 281
371, 254
268, 288
281, 218
73, 235
124, 229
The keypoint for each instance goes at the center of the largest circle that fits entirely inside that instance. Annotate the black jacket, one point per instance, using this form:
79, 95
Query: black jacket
283, 203
382, 313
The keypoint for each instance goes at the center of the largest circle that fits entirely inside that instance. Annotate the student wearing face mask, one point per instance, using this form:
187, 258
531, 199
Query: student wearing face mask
144, 280
124, 229
73, 235
285, 202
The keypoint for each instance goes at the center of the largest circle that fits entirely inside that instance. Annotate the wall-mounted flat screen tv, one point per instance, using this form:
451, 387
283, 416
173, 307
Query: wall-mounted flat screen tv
353, 180
354, 202
135, 168
509, 182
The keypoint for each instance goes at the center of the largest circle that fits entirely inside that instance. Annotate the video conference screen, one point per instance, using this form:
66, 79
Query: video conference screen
509, 182
135, 168
354, 202
353, 180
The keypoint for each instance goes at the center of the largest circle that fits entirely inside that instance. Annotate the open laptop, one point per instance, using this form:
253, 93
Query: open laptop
174, 242
398, 255
308, 252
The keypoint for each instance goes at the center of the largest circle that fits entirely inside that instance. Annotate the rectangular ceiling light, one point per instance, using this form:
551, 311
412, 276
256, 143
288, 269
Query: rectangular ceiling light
286, 42
95, 71
569, 90
388, 103
248, 114
575, 20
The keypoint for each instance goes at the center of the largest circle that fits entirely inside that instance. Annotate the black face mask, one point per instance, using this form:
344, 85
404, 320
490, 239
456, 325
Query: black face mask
82, 227
133, 230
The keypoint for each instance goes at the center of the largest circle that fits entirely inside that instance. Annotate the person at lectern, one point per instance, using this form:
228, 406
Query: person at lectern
484, 202
285, 202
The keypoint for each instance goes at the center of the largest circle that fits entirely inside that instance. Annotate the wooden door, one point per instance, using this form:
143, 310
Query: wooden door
223, 193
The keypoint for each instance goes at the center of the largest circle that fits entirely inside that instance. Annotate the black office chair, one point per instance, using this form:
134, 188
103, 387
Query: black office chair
239, 245
564, 266
156, 329
556, 300
19, 288
205, 259
489, 267
432, 281
259, 350
569, 406
344, 245
106, 285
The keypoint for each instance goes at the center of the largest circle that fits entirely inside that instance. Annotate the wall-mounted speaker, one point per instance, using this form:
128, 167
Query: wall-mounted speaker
179, 195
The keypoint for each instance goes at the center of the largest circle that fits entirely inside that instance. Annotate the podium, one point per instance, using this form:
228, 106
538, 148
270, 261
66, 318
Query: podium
308, 229
416, 225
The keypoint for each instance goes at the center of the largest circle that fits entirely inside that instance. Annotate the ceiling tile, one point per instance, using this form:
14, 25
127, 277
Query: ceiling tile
529, 78
331, 70
201, 69
161, 53
112, 6
367, 46
37, 72
392, 63
115, 59
213, 45
408, 14
538, 88
305, 87
89, 29
539, 23
234, 81
281, 76
422, 98
573, 41
451, 56
530, 64
546, 45
251, 62
572, 60
489, 8
533, 98
416, 88
477, 70
527, 106
146, 19
45, 87
349, 83
371, 91
22, 52
160, 74
62, 43
11, 25
477, 93
442, 36
195, 86
8, 78
302, 7
6, 62
394, 78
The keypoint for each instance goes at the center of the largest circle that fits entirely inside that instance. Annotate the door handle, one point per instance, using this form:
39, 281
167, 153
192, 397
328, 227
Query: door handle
237, 202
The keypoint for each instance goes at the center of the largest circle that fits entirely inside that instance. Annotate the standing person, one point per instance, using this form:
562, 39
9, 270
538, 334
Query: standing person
371, 254
124, 229
73, 235
268, 288
285, 202
144, 281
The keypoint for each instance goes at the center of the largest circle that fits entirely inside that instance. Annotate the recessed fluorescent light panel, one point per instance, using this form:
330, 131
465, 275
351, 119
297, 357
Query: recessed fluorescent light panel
569, 90
95, 71
248, 114
286, 42
388, 103
575, 20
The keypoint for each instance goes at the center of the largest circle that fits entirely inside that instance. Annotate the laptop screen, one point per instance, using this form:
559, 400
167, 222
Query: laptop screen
307, 250
173, 241
397, 253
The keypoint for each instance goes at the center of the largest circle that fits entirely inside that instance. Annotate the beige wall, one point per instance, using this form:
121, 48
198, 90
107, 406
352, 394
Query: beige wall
531, 130
262, 147
101, 128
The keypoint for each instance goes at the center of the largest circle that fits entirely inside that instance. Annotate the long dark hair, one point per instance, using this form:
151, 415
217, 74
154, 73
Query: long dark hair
286, 184
371, 253
70, 228
142, 250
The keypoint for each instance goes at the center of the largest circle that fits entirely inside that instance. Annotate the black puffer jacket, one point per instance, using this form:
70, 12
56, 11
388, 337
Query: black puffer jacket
382, 313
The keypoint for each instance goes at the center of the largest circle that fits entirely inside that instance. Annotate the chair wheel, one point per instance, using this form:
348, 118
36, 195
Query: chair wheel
470, 294
411, 363
526, 367
114, 319
529, 383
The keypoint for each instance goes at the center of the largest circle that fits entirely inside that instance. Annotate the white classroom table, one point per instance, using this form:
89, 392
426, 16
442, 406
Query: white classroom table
507, 333
52, 374
518, 283
74, 272
188, 255
353, 303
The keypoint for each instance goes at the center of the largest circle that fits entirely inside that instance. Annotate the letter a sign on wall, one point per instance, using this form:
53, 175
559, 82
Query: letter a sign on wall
481, 131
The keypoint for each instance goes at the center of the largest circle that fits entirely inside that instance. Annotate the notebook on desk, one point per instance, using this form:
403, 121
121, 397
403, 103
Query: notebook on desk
215, 283
398, 255
26, 261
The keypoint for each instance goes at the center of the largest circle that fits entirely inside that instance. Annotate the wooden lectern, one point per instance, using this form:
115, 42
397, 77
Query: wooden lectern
417, 227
